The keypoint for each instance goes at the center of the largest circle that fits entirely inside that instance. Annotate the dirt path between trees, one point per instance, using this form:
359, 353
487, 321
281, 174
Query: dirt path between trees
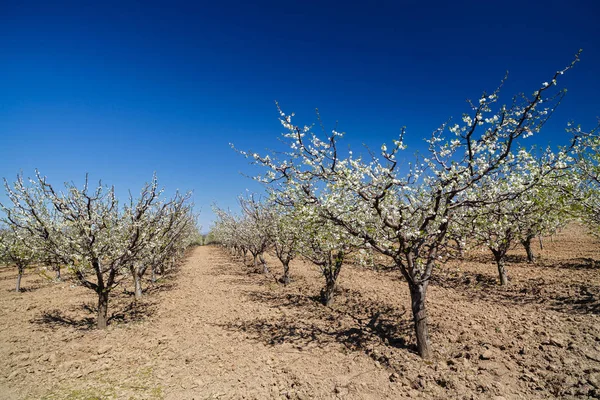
210, 358
218, 330
191, 347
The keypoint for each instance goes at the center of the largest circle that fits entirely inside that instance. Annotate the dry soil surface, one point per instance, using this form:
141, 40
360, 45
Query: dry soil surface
217, 329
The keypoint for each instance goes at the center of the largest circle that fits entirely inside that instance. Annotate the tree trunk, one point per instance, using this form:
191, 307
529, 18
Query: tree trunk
527, 245
264, 263
102, 309
137, 280
57, 270
541, 242
502, 270
285, 279
461, 249
153, 277
418, 292
327, 291
500, 256
255, 261
19, 279
331, 273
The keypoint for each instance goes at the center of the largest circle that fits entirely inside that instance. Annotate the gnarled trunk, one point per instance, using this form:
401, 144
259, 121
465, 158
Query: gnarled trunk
264, 263
57, 270
527, 245
137, 272
418, 292
331, 273
327, 292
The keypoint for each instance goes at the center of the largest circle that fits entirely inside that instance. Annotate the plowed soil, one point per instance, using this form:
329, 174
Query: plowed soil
217, 329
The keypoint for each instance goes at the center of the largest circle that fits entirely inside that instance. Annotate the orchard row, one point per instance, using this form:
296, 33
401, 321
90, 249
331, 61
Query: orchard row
477, 184
88, 232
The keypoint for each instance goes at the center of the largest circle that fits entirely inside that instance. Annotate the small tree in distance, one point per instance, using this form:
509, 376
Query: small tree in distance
14, 250
540, 210
255, 229
285, 234
325, 245
586, 202
166, 226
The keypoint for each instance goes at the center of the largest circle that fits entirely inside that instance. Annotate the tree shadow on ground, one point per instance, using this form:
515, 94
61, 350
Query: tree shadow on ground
579, 264
355, 322
158, 287
164, 284
566, 297
515, 259
56, 318
133, 312
26, 289
590, 304
83, 316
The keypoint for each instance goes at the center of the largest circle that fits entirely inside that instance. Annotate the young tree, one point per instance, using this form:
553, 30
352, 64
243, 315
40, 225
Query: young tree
168, 228
54, 264
325, 245
255, 229
550, 210
14, 250
539, 210
408, 211
586, 172
228, 231
285, 235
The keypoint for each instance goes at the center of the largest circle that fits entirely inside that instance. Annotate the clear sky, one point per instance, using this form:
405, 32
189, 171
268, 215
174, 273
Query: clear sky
121, 90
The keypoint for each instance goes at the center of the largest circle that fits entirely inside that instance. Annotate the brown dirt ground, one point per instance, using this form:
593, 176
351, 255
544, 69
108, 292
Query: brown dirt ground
218, 330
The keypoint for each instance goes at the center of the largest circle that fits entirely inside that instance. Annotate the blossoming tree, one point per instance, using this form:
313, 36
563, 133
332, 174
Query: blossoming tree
540, 209
84, 228
15, 251
587, 173
407, 211
286, 235
256, 229
168, 228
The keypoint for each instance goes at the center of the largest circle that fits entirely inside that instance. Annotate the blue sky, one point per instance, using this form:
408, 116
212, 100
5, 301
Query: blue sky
121, 90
